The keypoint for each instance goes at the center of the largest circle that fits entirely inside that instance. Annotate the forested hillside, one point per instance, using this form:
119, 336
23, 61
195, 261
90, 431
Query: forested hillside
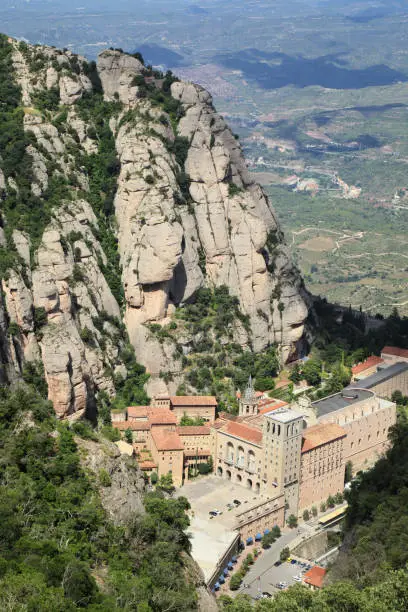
58, 549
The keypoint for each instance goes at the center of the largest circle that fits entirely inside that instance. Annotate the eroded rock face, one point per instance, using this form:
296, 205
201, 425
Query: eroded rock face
181, 222
116, 71
232, 226
124, 497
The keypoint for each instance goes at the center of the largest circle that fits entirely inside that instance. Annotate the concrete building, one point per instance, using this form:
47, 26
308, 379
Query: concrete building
394, 354
167, 452
282, 441
239, 454
267, 448
387, 380
314, 577
322, 464
366, 368
194, 406
366, 419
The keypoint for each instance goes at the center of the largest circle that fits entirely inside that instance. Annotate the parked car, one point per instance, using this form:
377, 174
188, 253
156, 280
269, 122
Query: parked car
237, 502
215, 512
230, 506
266, 595
297, 578
277, 563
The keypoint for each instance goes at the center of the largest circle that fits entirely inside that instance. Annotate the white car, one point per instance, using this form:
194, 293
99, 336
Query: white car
297, 578
215, 512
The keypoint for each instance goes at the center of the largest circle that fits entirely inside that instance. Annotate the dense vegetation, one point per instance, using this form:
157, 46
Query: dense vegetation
58, 550
216, 364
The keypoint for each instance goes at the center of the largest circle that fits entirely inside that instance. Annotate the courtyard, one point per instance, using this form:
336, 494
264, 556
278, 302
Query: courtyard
212, 536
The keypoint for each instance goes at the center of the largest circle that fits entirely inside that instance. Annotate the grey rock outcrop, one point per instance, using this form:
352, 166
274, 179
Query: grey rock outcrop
124, 495
116, 71
187, 214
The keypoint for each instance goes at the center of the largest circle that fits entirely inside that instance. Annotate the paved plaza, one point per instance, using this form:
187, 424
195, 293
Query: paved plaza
210, 537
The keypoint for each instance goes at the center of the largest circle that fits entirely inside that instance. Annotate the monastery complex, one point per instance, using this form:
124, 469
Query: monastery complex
291, 456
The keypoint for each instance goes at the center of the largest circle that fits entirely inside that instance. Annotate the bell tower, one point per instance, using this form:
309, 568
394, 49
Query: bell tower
248, 403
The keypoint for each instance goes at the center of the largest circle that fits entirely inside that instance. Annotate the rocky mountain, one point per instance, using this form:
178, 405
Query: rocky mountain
123, 194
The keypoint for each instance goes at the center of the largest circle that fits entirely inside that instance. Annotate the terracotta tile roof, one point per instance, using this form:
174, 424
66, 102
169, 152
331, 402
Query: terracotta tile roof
132, 425
218, 423
194, 430
321, 434
396, 351
147, 465
161, 416
167, 440
193, 400
370, 362
315, 576
270, 404
250, 434
201, 452
137, 411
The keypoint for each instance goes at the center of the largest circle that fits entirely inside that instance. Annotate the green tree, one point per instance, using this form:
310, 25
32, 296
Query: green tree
129, 436
235, 581
348, 474
306, 515
153, 478
292, 521
284, 554
166, 483
268, 539
312, 372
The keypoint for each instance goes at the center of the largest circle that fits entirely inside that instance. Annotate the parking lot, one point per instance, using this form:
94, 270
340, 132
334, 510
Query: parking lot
270, 579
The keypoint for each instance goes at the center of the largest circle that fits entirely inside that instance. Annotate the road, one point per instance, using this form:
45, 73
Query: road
264, 565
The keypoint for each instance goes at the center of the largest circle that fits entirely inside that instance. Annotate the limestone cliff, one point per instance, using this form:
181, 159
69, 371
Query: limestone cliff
130, 193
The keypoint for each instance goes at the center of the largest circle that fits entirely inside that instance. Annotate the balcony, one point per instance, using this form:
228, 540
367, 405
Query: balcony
250, 469
240, 466
229, 461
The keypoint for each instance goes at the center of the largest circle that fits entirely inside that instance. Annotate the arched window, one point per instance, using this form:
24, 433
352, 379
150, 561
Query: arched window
230, 451
251, 461
240, 457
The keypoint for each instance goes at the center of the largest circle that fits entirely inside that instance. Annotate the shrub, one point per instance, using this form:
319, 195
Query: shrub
339, 498
129, 436
292, 521
233, 190
111, 433
104, 478
153, 478
236, 581
86, 336
314, 510
331, 502
77, 274
306, 515
40, 318
13, 329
